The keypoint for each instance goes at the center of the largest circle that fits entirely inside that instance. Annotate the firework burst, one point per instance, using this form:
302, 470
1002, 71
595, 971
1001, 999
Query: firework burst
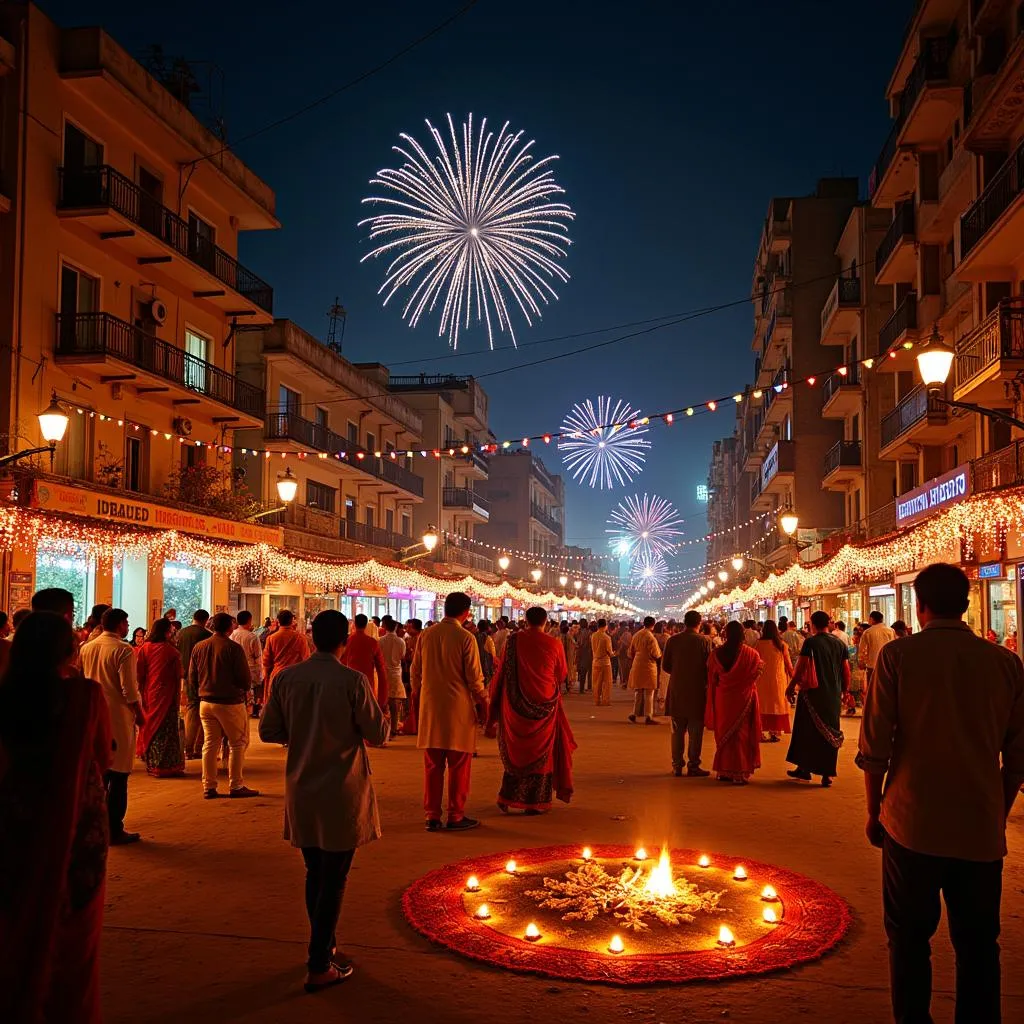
644, 526
471, 230
603, 443
649, 573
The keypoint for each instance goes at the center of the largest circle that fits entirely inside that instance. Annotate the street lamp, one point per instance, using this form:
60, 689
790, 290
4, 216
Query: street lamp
536, 574
429, 538
723, 575
703, 591
577, 585
503, 562
563, 581
427, 542
590, 588
53, 425
737, 563
287, 486
789, 521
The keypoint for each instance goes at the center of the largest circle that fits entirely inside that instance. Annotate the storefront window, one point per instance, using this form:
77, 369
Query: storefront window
908, 606
131, 590
1002, 609
973, 616
73, 571
186, 589
279, 601
883, 599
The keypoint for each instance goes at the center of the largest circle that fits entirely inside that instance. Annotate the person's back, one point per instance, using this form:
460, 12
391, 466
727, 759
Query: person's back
188, 637
686, 661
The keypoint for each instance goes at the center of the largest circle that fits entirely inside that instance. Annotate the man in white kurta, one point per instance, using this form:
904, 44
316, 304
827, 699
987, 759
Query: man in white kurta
110, 661
326, 713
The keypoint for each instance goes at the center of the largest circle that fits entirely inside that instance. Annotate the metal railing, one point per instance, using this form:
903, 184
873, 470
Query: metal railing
101, 334
931, 66
835, 382
902, 227
885, 156
904, 318
843, 453
1000, 192
545, 518
918, 405
465, 497
378, 536
452, 554
84, 187
304, 517
474, 456
999, 336
778, 387
845, 292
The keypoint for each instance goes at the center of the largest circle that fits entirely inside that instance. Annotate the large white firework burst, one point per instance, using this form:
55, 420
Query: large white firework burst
649, 573
644, 526
603, 443
472, 229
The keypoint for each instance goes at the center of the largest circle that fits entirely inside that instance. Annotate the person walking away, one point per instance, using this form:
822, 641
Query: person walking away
645, 655
413, 629
488, 652
773, 682
601, 664
732, 709
944, 709
447, 676
373, 627
622, 649
392, 649
535, 741
219, 671
326, 713
363, 654
110, 660
751, 634
686, 662
822, 673
93, 625
792, 638
500, 636
187, 640
246, 638
285, 646
55, 748
872, 640
569, 650
158, 674
584, 656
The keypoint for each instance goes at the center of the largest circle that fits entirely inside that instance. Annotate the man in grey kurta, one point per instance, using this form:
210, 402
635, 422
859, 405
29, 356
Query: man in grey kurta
326, 713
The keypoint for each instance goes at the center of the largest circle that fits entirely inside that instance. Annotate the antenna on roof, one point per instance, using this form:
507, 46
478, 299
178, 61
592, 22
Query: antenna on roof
336, 315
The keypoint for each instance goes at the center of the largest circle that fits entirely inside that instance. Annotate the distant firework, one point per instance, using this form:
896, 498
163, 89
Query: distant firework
649, 573
644, 526
598, 446
471, 231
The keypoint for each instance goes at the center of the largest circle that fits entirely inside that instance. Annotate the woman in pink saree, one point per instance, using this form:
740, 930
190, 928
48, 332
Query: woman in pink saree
732, 707
158, 668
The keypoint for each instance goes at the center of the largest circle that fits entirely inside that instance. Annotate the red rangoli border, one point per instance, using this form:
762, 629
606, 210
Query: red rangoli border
815, 920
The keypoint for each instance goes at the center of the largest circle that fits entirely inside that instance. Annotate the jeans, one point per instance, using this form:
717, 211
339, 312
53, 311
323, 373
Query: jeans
682, 728
116, 784
220, 722
326, 874
911, 884
460, 765
643, 703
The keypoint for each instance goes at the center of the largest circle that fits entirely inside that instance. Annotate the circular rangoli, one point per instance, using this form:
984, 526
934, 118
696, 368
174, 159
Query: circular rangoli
624, 916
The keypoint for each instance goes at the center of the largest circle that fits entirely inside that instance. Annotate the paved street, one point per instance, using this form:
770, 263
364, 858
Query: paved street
205, 921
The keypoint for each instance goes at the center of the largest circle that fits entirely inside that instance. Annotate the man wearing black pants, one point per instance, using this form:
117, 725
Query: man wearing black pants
942, 748
325, 713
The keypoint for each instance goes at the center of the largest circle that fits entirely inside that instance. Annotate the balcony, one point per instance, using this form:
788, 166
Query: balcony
472, 460
840, 316
992, 102
114, 206
779, 326
287, 426
938, 212
99, 338
546, 519
842, 394
990, 356
900, 327
843, 465
306, 518
375, 536
919, 419
453, 554
779, 467
466, 500
992, 230
778, 399
896, 257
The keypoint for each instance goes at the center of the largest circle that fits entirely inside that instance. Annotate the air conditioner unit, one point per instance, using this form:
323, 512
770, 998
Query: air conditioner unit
156, 311
182, 427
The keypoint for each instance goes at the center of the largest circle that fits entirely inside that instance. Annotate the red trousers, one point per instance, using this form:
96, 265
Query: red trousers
459, 764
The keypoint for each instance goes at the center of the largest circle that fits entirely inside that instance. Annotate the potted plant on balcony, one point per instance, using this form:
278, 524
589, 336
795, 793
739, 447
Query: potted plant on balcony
212, 488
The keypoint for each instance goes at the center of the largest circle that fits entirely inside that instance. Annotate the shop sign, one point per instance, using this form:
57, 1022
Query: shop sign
933, 496
990, 571
57, 497
885, 591
770, 466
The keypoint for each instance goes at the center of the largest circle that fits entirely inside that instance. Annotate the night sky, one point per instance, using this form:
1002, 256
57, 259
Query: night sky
675, 124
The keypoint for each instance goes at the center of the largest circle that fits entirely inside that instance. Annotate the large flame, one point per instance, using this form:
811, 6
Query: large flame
659, 882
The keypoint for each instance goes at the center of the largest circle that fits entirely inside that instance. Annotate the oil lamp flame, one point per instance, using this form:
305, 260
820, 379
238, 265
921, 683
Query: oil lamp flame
533, 932
726, 937
704, 861
510, 867
768, 894
483, 912
740, 874
659, 882
472, 884
769, 916
587, 853
616, 945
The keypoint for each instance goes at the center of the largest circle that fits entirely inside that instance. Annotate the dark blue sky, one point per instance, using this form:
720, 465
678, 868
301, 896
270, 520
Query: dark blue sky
675, 124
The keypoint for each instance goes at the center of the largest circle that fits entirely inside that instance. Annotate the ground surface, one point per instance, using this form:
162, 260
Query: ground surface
205, 919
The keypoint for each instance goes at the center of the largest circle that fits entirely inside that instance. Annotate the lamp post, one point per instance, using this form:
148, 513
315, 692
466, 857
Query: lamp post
427, 542
723, 576
535, 575
53, 425
287, 488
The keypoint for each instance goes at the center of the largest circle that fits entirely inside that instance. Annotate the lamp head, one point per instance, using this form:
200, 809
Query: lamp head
536, 574
723, 576
935, 360
504, 562
53, 421
287, 486
737, 564
429, 538
563, 580
789, 521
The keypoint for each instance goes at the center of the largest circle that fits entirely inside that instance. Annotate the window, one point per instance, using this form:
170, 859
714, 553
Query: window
79, 291
192, 455
406, 526
202, 238
371, 442
855, 427
134, 462
289, 401
320, 496
80, 151
195, 360
389, 520
350, 510
321, 417
353, 433
151, 195
72, 451
370, 515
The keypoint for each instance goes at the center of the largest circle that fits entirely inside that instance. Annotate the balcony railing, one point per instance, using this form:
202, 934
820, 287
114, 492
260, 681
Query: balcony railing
845, 292
100, 334
452, 554
999, 193
999, 336
304, 517
835, 382
885, 156
902, 227
777, 387
843, 453
378, 536
84, 187
918, 405
474, 456
545, 518
904, 318
931, 66
465, 497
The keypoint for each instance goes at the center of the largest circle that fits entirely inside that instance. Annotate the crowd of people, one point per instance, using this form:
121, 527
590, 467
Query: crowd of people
78, 707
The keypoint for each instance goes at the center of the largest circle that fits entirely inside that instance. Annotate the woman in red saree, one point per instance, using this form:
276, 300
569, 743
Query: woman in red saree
55, 746
732, 707
158, 670
526, 714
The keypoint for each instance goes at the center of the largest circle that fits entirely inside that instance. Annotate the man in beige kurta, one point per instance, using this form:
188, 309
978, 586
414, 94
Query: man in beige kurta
601, 669
643, 674
447, 676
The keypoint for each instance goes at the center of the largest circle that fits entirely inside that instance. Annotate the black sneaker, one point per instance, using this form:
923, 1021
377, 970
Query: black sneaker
826, 781
125, 838
632, 718
434, 825
210, 794
462, 825
677, 772
801, 776
697, 773
242, 792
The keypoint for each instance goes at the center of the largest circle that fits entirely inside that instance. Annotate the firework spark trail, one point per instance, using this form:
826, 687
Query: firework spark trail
471, 230
598, 445
649, 573
644, 526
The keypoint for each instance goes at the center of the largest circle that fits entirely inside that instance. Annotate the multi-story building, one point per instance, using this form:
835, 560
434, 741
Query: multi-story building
121, 291
345, 439
453, 412
785, 438
526, 502
722, 478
